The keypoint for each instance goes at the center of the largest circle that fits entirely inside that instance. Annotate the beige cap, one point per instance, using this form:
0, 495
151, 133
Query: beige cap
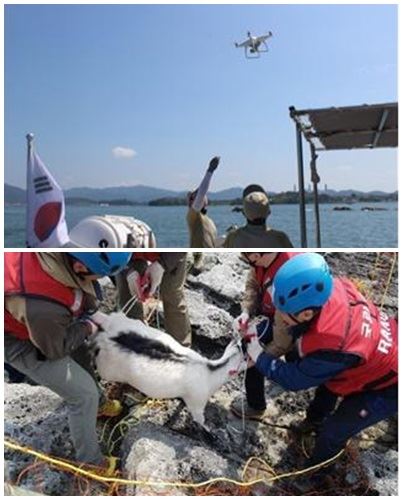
256, 205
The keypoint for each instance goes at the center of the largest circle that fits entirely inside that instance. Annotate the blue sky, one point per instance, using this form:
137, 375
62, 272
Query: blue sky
167, 83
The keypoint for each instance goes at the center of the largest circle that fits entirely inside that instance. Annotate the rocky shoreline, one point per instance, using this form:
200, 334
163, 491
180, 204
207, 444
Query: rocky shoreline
160, 442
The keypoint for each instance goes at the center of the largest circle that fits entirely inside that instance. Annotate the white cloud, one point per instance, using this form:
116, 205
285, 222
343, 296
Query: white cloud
121, 152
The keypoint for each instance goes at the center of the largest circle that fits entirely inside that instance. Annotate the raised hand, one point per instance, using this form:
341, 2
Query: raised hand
213, 164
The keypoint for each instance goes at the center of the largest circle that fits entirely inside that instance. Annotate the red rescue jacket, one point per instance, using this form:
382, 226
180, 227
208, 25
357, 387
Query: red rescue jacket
349, 323
265, 277
150, 256
24, 276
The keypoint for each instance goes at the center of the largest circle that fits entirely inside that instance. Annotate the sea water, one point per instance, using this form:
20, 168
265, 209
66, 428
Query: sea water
341, 229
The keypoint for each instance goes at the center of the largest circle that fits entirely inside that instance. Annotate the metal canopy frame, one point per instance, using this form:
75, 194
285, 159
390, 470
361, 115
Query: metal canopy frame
350, 127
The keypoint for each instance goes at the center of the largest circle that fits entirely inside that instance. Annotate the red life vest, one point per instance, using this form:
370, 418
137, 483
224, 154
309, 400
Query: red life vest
349, 323
150, 256
24, 276
265, 277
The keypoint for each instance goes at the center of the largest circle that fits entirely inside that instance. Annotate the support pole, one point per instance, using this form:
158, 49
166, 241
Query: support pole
315, 179
300, 173
380, 128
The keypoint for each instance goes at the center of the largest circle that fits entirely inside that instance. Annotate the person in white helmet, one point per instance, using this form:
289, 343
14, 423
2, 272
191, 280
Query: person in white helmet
111, 231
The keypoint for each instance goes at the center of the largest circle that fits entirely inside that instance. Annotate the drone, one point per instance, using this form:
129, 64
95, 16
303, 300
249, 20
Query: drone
254, 45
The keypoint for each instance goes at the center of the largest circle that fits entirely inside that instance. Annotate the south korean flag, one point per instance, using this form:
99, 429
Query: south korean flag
46, 223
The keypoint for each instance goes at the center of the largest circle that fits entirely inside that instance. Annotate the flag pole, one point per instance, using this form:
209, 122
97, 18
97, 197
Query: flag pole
30, 140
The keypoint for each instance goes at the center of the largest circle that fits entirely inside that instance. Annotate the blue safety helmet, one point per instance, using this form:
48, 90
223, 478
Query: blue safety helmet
103, 263
303, 282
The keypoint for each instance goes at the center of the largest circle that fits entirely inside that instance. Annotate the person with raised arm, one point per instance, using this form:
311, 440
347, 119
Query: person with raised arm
202, 229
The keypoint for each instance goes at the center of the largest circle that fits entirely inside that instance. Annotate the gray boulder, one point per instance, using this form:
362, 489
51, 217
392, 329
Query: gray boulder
154, 454
163, 443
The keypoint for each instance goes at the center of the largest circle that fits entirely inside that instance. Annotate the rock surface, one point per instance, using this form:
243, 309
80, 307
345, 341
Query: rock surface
161, 443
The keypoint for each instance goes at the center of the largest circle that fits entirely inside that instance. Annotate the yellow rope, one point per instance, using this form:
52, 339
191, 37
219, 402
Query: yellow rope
131, 418
366, 290
376, 262
106, 479
259, 460
104, 430
305, 452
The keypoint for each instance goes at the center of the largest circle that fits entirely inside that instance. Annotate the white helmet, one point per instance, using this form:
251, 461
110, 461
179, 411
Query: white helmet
111, 231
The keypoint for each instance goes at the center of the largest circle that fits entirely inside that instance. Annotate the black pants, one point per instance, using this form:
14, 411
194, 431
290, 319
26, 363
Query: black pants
255, 389
14, 375
255, 384
322, 406
355, 413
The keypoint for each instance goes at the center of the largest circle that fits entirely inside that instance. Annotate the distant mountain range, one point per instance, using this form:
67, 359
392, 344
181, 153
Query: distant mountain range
135, 194
13, 194
144, 194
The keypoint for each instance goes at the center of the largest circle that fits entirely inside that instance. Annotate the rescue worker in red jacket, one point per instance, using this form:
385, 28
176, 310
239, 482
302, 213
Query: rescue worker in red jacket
50, 311
348, 348
257, 301
146, 272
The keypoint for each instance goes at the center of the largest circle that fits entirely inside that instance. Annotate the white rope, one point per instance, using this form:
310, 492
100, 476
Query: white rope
130, 304
238, 340
243, 399
157, 308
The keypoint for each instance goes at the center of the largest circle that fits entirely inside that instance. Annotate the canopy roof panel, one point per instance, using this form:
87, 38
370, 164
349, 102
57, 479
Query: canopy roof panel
349, 127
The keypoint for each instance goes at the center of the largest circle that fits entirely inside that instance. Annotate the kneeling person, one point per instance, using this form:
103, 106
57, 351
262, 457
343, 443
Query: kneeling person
348, 349
50, 301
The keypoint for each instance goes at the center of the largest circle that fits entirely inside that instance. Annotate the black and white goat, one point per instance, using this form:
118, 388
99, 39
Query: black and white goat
131, 352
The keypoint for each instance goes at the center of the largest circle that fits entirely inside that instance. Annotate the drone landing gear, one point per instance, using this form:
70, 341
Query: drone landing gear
255, 53
251, 54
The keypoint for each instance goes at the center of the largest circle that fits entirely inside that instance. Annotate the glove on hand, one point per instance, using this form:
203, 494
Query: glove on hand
99, 318
139, 286
240, 324
155, 274
254, 348
93, 320
213, 164
91, 326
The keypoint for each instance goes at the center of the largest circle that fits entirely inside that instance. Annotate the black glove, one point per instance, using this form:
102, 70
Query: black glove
213, 164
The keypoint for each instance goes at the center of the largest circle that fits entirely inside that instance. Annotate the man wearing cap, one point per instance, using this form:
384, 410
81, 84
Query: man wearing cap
202, 229
256, 233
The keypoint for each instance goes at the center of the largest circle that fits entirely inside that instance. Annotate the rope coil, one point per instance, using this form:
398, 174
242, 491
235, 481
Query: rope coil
69, 466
